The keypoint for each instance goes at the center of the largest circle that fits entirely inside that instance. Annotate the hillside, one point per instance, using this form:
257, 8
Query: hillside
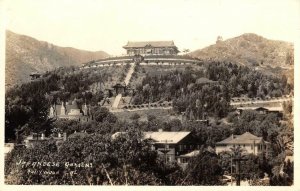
251, 50
25, 55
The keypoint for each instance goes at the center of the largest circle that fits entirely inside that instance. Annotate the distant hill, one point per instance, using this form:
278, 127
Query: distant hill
25, 55
251, 50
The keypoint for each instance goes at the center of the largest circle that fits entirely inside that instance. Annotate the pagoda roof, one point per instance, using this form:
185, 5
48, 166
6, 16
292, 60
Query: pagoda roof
142, 44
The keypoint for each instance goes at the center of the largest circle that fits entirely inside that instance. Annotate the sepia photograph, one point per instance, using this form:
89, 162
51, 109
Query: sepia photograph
149, 93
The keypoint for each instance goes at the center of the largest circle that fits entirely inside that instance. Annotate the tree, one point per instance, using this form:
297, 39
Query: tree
135, 117
203, 169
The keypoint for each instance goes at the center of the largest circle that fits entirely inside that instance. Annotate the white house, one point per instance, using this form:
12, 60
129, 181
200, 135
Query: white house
247, 141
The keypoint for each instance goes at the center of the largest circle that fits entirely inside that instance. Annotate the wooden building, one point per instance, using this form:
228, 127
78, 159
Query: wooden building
250, 143
278, 111
70, 111
169, 145
151, 48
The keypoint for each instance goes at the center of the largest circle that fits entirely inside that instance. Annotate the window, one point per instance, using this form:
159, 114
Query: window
244, 145
167, 146
152, 147
180, 148
251, 147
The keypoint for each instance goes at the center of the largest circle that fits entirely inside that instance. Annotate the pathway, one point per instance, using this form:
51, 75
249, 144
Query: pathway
127, 80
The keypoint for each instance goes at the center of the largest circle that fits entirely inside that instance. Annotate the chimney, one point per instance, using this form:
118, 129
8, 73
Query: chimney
232, 137
160, 130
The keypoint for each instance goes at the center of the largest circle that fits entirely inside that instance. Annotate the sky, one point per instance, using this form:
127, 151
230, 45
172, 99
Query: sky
108, 24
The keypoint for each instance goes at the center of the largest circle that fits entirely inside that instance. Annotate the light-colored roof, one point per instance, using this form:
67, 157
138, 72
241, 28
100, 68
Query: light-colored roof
246, 138
205, 81
115, 135
161, 137
191, 154
151, 43
164, 136
267, 108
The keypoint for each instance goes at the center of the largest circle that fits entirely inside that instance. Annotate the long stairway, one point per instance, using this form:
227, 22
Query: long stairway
127, 80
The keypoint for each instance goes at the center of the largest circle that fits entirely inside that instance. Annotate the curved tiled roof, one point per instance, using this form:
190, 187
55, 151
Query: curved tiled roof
151, 43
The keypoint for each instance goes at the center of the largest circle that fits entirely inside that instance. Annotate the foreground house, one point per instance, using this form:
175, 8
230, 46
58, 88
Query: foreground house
33, 139
169, 145
8, 147
247, 141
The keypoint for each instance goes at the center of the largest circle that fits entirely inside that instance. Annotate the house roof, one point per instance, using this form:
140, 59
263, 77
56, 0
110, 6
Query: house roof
246, 138
161, 137
57, 108
261, 108
191, 154
151, 43
205, 81
164, 136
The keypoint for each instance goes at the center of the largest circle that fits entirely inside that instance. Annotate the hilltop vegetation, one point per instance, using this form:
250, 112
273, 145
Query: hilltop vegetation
249, 50
212, 85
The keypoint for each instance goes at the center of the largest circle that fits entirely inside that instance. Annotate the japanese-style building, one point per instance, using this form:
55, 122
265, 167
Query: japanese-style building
146, 52
278, 111
151, 48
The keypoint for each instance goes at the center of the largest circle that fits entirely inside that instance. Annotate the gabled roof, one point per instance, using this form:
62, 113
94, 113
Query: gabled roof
166, 137
161, 137
149, 43
246, 138
191, 154
279, 109
57, 108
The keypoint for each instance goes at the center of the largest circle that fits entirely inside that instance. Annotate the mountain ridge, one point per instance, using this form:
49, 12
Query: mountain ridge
25, 54
249, 49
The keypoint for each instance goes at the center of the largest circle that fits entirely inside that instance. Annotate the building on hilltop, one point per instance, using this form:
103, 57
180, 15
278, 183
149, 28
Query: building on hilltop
70, 111
247, 141
151, 48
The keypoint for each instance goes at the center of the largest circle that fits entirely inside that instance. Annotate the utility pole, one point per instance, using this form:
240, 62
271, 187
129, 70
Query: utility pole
238, 169
231, 169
